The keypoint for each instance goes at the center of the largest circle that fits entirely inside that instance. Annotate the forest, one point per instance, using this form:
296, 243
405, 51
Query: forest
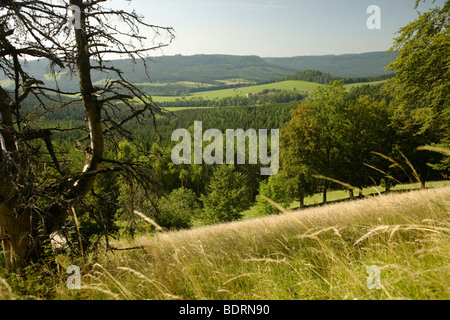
92, 163
359, 141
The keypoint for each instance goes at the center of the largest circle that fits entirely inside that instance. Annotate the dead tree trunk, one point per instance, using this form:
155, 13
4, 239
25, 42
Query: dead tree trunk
24, 226
92, 107
19, 224
351, 194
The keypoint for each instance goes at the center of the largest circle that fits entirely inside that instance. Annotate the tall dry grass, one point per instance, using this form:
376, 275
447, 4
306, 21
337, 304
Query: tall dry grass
318, 253
6, 293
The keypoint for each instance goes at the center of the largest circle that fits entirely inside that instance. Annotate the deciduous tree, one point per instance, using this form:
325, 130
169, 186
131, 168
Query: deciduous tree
421, 86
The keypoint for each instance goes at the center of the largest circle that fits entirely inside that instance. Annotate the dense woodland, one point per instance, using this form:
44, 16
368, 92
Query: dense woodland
325, 78
354, 125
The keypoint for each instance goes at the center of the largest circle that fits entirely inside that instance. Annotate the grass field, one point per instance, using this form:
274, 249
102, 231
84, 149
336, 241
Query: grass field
342, 195
6, 83
319, 253
300, 86
187, 84
173, 109
53, 77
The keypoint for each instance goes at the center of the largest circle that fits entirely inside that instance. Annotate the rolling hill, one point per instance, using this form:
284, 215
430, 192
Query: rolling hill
347, 65
288, 85
211, 68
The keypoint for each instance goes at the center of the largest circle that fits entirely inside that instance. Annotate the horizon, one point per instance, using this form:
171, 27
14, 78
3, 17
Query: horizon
235, 55
267, 57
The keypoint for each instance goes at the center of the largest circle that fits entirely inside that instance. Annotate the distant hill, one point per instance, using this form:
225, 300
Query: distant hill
347, 65
209, 68
170, 69
325, 78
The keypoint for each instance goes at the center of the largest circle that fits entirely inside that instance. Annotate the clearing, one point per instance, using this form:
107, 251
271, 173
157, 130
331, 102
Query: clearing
299, 86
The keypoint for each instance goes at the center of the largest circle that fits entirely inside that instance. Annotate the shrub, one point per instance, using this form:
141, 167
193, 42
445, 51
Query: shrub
177, 209
275, 188
227, 196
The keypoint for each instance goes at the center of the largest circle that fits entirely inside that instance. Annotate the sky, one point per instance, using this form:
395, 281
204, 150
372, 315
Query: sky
275, 28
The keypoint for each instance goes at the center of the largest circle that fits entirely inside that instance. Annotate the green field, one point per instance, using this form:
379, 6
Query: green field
300, 86
6, 83
340, 195
184, 108
233, 81
187, 84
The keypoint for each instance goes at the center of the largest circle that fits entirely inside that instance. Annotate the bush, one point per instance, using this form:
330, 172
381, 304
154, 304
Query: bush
227, 196
176, 211
275, 188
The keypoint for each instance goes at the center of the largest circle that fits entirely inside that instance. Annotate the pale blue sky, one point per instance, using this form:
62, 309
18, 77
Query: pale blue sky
275, 28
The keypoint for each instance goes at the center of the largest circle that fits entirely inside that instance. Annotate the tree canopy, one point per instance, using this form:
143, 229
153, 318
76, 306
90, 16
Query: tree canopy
421, 87
422, 81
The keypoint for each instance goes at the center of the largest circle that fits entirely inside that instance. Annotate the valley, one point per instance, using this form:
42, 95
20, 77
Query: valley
128, 174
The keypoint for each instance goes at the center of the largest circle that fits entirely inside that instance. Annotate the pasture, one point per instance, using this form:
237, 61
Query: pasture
299, 86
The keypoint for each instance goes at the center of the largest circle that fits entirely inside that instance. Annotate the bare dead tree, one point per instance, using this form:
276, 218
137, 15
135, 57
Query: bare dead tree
33, 28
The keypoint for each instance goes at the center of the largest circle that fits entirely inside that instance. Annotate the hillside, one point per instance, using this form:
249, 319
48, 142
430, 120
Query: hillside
347, 65
289, 85
171, 69
210, 68
318, 253
325, 78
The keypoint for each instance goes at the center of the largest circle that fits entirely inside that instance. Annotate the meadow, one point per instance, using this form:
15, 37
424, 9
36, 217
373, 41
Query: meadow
338, 196
319, 253
292, 85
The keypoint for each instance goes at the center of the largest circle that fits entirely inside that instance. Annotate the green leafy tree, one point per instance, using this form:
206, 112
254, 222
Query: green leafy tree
276, 189
366, 130
422, 66
422, 84
299, 144
177, 209
312, 139
329, 110
227, 196
334, 136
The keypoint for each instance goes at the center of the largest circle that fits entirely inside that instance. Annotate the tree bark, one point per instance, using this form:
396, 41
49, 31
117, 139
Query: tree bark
325, 189
351, 193
387, 182
24, 229
302, 199
57, 214
17, 223
92, 107
423, 182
